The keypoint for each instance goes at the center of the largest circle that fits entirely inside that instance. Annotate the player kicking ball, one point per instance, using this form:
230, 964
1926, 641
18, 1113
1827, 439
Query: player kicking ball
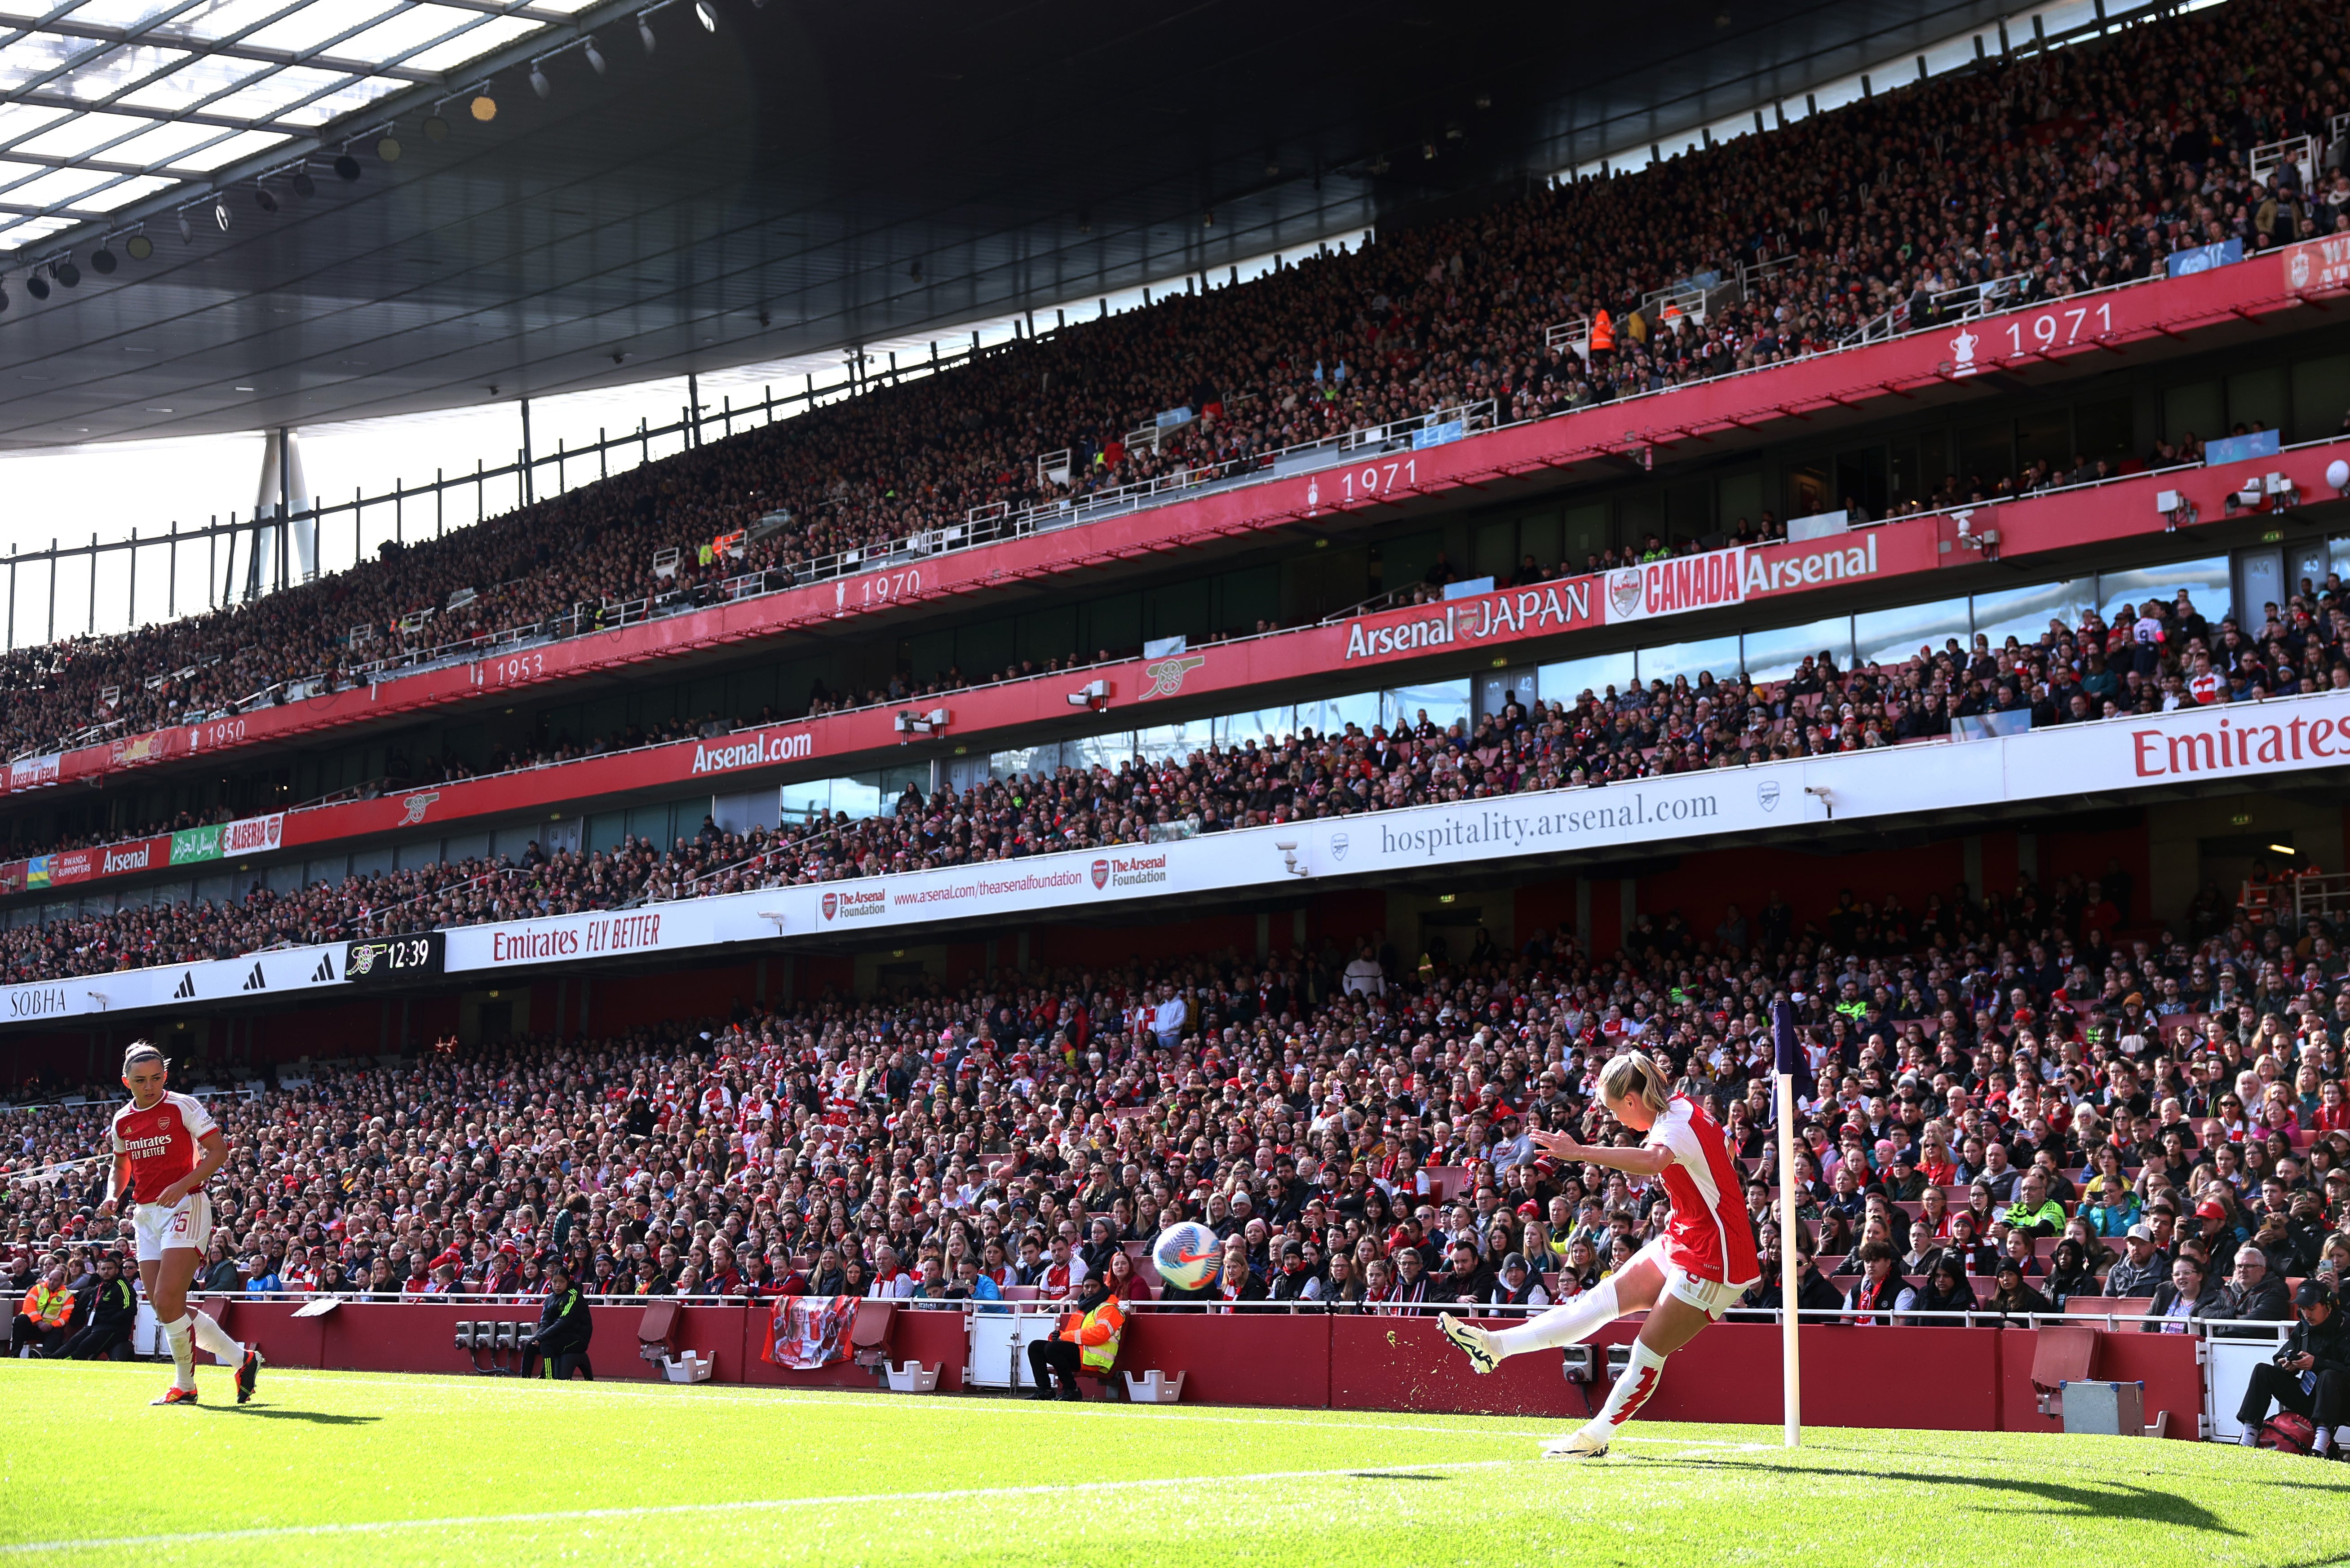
166, 1146
1686, 1278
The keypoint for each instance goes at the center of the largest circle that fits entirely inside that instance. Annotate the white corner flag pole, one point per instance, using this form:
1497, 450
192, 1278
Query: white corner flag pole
1789, 1282
1790, 1276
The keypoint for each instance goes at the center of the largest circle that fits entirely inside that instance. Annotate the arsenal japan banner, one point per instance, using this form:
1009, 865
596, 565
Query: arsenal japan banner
809, 1332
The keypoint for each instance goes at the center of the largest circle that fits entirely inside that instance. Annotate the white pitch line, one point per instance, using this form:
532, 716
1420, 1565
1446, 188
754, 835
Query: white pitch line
959, 1494
853, 1398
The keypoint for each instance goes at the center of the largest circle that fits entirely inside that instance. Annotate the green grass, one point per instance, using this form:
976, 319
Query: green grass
347, 1468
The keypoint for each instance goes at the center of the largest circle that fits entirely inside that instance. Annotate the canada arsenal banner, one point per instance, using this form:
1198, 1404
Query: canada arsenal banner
809, 1332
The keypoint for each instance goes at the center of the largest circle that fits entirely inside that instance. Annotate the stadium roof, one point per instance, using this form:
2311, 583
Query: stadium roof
112, 100
775, 180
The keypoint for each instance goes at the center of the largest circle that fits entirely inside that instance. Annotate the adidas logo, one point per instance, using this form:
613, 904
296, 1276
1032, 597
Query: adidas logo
186, 989
255, 981
325, 970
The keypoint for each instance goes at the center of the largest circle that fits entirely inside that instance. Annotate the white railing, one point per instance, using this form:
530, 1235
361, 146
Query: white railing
1961, 304
1573, 333
2303, 152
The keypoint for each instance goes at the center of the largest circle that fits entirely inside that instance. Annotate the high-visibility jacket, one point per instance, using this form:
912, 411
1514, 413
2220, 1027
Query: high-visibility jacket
1603, 333
48, 1308
1095, 1333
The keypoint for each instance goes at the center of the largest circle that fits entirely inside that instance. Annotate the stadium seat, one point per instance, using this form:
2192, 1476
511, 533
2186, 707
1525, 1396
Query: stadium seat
868, 1337
2061, 1354
655, 1331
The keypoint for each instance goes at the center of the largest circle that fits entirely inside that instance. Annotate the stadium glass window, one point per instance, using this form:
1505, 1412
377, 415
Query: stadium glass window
2256, 399
862, 795
2199, 408
1890, 636
1162, 741
1569, 678
1090, 752
1333, 714
1038, 761
2207, 581
1775, 654
804, 797
1444, 701
2025, 613
1717, 656
2321, 391
1235, 730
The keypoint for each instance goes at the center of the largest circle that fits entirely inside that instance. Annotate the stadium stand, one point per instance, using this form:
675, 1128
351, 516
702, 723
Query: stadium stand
2162, 655
1977, 1058
2073, 171
2039, 1085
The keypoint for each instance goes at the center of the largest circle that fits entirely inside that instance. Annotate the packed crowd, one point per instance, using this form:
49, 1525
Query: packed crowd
2160, 655
1991, 1062
2068, 170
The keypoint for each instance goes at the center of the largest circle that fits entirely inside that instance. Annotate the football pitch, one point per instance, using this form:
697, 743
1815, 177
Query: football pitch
342, 1467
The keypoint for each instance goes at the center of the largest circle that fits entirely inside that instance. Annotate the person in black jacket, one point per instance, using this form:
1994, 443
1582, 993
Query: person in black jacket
113, 1311
2013, 1296
1946, 1291
1468, 1282
1289, 1283
2309, 1373
565, 1327
2253, 1293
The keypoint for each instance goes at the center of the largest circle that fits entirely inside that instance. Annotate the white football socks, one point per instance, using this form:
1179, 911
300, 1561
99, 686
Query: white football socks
1631, 1390
1571, 1322
212, 1336
183, 1353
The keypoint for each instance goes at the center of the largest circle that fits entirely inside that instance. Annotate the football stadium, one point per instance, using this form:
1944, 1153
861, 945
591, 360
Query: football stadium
1548, 785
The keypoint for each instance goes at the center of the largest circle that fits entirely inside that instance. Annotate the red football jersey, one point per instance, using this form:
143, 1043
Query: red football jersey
161, 1141
1708, 1237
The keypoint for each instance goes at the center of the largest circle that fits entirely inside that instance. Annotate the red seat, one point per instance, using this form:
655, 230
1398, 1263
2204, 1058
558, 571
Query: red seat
657, 1332
2061, 1354
869, 1336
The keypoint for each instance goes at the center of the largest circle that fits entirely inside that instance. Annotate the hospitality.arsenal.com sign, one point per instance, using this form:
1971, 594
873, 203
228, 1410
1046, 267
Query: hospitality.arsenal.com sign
2254, 743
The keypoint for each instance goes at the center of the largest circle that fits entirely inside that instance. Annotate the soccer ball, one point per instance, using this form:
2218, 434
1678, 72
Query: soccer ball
1188, 1255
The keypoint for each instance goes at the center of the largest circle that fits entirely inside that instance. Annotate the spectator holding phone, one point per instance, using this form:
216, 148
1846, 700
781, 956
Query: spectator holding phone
2308, 1373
